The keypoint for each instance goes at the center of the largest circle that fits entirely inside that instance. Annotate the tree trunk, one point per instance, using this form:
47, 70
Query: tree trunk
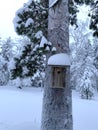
57, 102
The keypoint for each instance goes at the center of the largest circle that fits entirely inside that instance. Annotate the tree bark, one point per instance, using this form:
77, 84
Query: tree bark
57, 102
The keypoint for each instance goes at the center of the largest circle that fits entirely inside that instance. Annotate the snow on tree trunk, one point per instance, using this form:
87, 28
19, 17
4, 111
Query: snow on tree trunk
57, 102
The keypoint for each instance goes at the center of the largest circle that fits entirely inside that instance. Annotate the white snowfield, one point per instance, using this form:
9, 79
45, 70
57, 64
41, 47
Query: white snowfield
20, 109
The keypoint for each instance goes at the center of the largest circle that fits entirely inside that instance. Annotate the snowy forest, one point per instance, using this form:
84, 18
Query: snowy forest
23, 60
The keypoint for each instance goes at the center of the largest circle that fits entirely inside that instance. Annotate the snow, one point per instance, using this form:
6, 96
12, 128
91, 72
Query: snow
29, 21
43, 41
49, 43
47, 48
61, 59
15, 22
20, 109
54, 49
85, 114
36, 47
39, 34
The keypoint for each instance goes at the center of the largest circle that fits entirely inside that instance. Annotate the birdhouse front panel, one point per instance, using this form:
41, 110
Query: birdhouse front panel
58, 77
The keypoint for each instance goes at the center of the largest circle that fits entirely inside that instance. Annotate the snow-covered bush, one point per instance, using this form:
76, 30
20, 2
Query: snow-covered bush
86, 86
20, 83
82, 57
87, 92
6, 57
38, 79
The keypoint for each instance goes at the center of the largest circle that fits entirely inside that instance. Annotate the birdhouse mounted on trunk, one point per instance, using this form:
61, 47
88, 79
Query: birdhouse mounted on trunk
59, 64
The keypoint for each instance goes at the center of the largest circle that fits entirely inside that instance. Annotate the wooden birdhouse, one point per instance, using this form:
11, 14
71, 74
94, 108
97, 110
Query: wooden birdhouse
59, 64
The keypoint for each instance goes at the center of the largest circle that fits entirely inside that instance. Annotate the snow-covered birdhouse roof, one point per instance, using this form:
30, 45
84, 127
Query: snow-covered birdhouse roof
61, 59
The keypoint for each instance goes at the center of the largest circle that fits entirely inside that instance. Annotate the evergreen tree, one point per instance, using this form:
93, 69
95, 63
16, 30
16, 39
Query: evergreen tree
27, 64
31, 20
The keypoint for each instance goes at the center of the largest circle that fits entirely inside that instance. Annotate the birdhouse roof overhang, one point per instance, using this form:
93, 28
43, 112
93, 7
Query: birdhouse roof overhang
61, 59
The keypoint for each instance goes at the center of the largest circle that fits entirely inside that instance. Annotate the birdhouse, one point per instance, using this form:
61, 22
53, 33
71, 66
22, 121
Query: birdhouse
59, 64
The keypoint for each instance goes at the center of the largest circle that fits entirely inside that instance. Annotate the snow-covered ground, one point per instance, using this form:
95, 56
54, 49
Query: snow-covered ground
20, 109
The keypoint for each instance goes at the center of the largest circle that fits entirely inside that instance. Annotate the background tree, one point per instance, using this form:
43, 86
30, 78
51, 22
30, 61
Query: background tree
86, 84
82, 56
6, 56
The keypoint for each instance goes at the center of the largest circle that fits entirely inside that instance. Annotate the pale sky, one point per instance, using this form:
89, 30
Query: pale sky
7, 13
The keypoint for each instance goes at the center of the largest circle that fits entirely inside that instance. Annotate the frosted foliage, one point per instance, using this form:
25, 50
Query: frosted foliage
29, 21
25, 70
82, 56
2, 61
26, 82
19, 52
43, 41
86, 85
19, 11
17, 19
24, 43
5, 60
38, 79
11, 64
15, 22
97, 25
39, 34
3, 72
43, 12
29, 2
89, 60
36, 47
54, 49
43, 75
49, 43
47, 48
15, 82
